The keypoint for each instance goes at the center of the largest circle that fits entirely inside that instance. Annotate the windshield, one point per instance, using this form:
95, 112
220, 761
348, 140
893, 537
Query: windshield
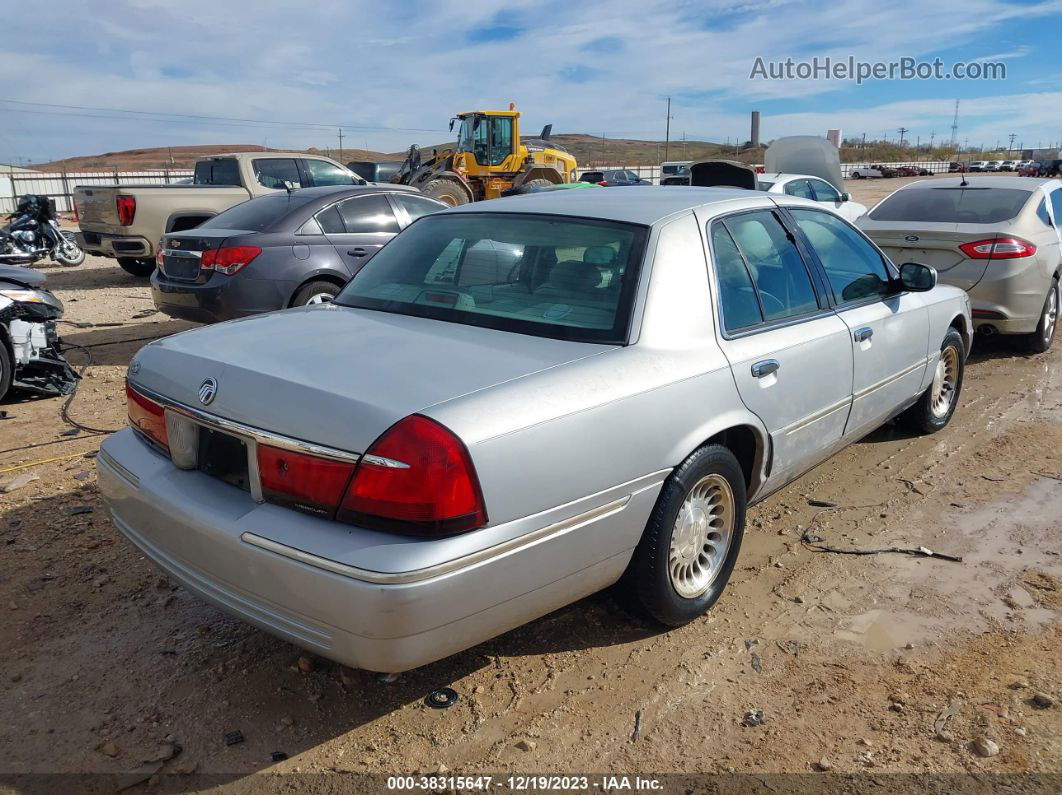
464, 135
952, 205
256, 215
548, 276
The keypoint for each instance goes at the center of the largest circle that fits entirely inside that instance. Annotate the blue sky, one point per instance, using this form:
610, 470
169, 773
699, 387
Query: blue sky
392, 74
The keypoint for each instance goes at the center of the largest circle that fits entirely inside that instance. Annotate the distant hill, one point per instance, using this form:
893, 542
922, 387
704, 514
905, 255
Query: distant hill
589, 150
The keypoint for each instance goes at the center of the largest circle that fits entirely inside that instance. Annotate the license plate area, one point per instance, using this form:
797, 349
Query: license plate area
224, 457
182, 267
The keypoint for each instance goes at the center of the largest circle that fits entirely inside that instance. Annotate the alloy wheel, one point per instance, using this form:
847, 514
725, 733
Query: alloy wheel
701, 536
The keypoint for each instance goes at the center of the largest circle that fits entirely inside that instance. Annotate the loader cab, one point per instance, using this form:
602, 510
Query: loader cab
489, 137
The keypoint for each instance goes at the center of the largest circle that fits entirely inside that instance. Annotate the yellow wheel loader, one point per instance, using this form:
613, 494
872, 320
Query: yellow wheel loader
489, 158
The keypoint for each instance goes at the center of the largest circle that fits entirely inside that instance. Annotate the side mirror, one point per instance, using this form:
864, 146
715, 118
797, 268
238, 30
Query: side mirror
846, 197
918, 278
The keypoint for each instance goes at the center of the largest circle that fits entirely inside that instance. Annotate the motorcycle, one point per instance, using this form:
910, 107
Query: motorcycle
31, 356
34, 234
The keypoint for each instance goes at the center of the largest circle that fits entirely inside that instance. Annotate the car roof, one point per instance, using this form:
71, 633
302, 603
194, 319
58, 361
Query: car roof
1021, 183
781, 176
637, 204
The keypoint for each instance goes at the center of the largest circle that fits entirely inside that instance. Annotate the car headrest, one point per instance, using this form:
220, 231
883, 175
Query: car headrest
574, 276
599, 255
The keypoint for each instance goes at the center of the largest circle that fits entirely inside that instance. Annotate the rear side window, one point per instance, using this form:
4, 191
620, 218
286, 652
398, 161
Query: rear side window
737, 297
217, 172
366, 214
325, 173
971, 205
799, 187
275, 172
853, 266
1042, 214
783, 285
417, 206
824, 191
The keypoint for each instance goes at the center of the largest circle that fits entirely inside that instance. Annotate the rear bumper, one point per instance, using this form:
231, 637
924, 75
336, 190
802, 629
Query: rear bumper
219, 298
214, 540
114, 246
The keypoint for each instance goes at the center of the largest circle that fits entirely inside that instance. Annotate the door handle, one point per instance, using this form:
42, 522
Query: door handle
764, 368
863, 334
357, 252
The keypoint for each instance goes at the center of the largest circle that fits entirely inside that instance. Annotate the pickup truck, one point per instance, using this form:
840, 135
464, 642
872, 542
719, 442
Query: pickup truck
126, 221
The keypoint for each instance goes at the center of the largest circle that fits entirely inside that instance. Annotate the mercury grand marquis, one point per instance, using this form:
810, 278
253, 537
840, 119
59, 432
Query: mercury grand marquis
517, 403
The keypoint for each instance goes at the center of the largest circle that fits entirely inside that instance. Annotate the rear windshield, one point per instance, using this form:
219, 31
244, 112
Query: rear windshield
952, 205
548, 276
257, 215
217, 172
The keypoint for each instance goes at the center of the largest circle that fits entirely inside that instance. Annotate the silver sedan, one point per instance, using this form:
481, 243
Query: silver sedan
460, 444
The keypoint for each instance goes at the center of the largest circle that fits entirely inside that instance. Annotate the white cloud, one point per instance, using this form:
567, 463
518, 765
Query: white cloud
410, 65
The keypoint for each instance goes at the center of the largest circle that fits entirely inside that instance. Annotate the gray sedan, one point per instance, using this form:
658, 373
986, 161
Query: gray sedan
280, 250
460, 444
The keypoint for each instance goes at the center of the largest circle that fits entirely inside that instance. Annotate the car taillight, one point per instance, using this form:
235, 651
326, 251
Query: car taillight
998, 248
159, 256
603, 183
77, 214
228, 259
305, 482
416, 478
126, 209
147, 416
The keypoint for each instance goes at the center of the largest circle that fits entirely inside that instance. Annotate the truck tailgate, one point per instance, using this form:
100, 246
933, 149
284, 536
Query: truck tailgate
96, 205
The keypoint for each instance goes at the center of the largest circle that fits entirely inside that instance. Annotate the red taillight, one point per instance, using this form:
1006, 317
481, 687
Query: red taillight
416, 478
126, 209
998, 248
159, 256
603, 183
147, 416
77, 215
306, 482
228, 259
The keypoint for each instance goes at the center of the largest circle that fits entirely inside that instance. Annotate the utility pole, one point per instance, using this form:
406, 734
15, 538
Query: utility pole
667, 131
955, 126
1011, 150
902, 131
863, 146
683, 144
932, 135
340, 158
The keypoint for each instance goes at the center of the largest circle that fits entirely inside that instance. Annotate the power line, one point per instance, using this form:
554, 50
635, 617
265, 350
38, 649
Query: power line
206, 117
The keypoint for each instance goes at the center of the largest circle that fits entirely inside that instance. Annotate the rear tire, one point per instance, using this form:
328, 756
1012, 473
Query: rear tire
312, 293
938, 403
447, 191
1040, 340
692, 539
7, 368
137, 267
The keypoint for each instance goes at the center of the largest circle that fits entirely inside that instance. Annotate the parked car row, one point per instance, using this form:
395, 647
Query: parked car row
369, 477
999, 165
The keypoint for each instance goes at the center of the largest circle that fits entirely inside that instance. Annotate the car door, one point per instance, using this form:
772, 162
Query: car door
277, 172
889, 327
789, 353
322, 173
358, 227
1055, 197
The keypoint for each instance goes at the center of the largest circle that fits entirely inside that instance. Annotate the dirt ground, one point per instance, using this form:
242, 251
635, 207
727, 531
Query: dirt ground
881, 671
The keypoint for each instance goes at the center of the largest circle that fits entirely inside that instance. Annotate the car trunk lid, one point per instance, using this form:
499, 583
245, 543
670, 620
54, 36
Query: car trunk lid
935, 245
338, 376
182, 253
96, 205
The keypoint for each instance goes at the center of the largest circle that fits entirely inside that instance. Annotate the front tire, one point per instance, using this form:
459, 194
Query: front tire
692, 539
69, 253
137, 267
7, 369
938, 403
1040, 340
447, 191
